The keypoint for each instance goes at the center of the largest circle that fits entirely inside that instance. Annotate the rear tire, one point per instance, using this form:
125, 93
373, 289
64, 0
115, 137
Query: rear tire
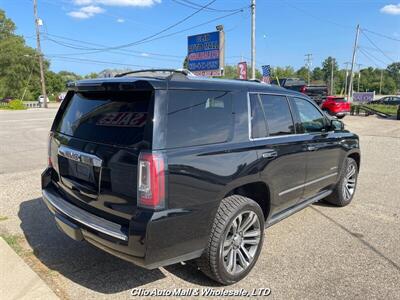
346, 187
340, 117
235, 241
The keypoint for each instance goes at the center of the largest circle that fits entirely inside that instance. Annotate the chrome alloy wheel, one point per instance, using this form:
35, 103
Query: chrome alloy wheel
241, 242
349, 183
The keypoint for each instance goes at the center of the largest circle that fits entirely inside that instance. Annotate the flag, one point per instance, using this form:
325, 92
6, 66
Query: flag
242, 70
266, 73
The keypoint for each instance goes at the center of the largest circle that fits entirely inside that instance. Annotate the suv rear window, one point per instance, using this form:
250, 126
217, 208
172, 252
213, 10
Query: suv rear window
198, 118
118, 118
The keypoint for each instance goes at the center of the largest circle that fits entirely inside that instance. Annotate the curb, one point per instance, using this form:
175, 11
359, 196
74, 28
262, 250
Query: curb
17, 280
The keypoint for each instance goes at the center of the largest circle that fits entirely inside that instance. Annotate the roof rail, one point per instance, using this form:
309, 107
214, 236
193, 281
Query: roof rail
159, 73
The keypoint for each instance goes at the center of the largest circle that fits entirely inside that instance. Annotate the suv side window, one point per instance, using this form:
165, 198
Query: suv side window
198, 118
278, 115
311, 118
258, 123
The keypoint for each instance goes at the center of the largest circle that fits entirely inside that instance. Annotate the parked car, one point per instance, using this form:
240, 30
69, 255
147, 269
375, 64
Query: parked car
41, 99
336, 106
163, 169
7, 99
389, 100
316, 92
61, 96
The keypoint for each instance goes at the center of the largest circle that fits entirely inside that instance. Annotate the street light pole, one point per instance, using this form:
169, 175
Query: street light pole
40, 55
253, 39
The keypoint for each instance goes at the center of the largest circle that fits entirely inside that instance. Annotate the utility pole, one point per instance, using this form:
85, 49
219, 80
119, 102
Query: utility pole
353, 60
332, 64
359, 77
253, 39
380, 83
308, 60
40, 55
346, 78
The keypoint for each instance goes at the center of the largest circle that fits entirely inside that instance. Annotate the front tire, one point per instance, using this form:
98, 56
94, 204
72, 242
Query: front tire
235, 242
346, 187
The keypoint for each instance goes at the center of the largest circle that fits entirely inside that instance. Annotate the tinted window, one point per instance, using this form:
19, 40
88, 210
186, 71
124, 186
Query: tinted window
198, 118
119, 118
311, 118
277, 113
258, 125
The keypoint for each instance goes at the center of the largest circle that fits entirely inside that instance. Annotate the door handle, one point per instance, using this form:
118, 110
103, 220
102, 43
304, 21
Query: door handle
270, 154
311, 148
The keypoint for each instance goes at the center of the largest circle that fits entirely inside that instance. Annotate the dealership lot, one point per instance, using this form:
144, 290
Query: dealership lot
322, 251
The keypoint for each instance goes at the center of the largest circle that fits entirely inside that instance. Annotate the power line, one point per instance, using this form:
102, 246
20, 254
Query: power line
370, 57
154, 35
376, 47
381, 35
97, 50
194, 5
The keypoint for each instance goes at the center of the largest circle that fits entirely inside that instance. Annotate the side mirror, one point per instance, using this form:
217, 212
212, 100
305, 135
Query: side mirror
337, 125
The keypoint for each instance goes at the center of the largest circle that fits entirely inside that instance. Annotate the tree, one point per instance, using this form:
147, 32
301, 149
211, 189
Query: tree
317, 74
19, 67
394, 72
302, 73
285, 72
91, 75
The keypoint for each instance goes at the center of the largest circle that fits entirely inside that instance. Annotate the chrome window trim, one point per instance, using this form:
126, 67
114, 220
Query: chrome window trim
269, 137
306, 184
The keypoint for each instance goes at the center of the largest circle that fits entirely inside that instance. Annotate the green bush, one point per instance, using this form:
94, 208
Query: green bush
16, 105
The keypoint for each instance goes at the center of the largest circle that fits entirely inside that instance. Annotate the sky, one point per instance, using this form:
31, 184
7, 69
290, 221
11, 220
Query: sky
75, 32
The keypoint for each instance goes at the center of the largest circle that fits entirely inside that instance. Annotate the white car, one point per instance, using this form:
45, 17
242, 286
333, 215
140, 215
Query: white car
41, 99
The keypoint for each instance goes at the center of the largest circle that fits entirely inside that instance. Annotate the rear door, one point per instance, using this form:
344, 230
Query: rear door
323, 147
97, 137
281, 151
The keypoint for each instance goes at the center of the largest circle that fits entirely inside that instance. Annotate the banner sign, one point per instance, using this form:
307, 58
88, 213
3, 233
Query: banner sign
206, 53
363, 96
242, 70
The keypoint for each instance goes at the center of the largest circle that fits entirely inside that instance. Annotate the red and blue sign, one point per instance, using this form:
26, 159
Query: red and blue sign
204, 53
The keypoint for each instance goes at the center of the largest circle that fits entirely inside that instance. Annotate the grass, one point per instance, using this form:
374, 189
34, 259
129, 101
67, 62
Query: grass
13, 105
14, 242
386, 109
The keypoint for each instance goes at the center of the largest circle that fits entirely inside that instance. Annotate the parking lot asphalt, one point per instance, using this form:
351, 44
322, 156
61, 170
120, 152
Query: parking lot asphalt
320, 252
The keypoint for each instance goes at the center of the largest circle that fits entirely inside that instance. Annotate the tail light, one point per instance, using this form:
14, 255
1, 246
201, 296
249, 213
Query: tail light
303, 89
49, 161
151, 180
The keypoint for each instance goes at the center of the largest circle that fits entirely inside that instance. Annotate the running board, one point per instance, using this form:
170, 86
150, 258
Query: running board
294, 209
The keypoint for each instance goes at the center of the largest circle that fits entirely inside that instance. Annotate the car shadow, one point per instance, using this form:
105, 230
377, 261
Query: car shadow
83, 263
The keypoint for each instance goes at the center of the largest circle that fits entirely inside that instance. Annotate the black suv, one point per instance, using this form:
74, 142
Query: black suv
162, 167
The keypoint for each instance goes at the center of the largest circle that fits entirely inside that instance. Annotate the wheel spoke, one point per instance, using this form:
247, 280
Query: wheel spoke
231, 260
227, 250
251, 233
251, 241
242, 260
246, 253
249, 222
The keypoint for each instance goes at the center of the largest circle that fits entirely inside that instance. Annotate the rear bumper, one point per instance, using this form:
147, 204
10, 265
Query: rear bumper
152, 239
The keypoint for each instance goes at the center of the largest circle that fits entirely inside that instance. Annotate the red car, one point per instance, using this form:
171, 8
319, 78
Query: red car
336, 106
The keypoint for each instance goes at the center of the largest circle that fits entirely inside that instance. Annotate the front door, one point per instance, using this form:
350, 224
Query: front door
323, 148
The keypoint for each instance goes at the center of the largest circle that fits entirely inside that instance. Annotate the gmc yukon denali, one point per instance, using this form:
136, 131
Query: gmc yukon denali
159, 167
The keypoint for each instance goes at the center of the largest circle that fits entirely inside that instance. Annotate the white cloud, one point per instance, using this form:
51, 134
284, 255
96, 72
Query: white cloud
139, 3
86, 12
145, 54
391, 9
120, 20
